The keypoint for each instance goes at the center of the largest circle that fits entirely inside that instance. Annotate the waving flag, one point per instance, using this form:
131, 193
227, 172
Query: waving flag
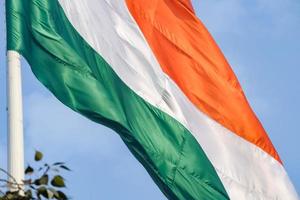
150, 70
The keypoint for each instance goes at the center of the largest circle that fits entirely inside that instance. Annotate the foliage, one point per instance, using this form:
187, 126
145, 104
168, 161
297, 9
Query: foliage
44, 182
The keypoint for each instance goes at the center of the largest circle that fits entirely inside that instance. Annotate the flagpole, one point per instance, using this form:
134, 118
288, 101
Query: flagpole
15, 118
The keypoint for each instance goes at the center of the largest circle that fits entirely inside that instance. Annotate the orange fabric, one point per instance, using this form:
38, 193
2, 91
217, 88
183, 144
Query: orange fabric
188, 54
187, 4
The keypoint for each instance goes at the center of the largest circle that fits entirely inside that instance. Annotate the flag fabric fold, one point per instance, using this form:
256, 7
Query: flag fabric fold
151, 71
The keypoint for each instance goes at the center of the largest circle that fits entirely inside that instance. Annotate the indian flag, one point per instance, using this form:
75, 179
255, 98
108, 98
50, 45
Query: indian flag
151, 71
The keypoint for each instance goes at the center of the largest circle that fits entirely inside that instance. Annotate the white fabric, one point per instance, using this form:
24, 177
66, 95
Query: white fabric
245, 170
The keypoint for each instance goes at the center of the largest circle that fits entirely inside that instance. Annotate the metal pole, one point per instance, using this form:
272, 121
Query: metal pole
15, 118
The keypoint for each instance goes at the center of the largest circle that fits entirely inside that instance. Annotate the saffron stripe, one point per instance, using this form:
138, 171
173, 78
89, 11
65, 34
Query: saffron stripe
198, 67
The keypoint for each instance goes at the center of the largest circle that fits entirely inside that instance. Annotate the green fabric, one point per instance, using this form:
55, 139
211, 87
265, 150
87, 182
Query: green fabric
81, 79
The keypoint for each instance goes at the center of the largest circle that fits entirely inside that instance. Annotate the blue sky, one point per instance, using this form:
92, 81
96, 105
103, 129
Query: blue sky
260, 39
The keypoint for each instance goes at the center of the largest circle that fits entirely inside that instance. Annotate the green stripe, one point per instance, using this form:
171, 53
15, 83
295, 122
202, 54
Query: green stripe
84, 81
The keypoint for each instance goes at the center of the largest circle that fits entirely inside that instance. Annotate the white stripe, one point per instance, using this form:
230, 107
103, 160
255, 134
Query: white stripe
246, 171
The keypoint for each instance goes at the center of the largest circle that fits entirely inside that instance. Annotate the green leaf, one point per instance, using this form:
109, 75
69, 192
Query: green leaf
42, 191
9, 196
58, 163
58, 181
38, 156
28, 194
42, 181
29, 170
65, 167
62, 195
50, 194
55, 193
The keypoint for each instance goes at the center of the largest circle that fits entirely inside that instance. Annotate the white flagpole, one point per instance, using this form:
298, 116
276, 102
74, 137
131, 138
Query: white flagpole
15, 118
